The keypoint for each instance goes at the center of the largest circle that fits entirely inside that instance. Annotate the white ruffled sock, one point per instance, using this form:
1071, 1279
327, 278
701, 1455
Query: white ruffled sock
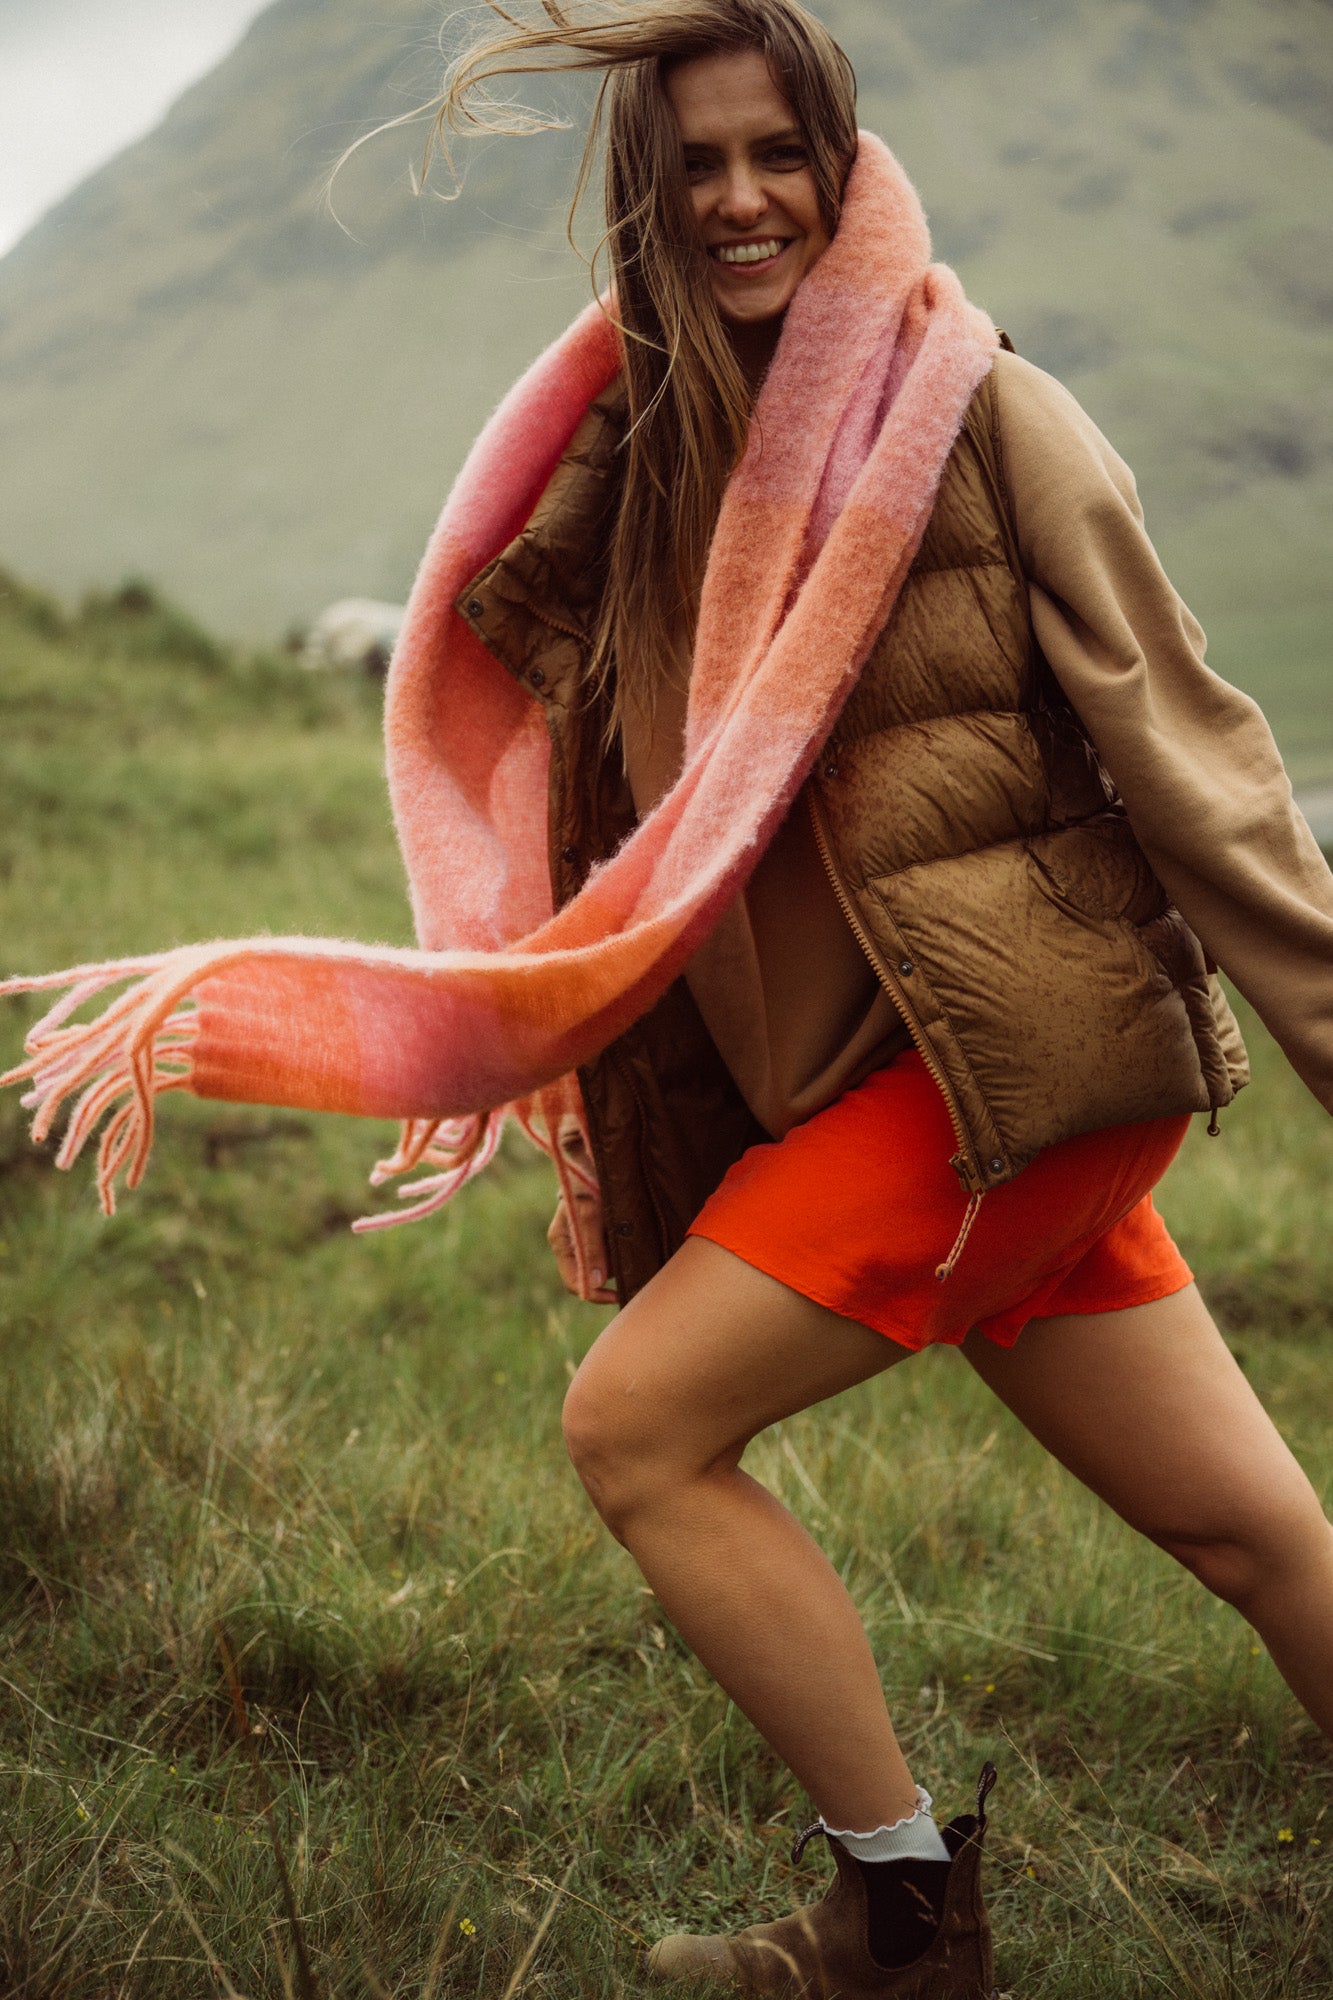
914, 1838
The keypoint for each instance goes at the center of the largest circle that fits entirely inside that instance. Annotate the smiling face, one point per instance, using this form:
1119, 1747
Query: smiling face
756, 206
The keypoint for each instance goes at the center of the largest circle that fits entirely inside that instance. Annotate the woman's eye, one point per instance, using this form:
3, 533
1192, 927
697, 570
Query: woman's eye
695, 170
788, 156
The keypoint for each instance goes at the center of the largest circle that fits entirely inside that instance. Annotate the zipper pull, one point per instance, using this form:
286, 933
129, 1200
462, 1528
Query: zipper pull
946, 1269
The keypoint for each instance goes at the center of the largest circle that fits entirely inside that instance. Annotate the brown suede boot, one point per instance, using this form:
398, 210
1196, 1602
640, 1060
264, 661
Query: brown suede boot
823, 1952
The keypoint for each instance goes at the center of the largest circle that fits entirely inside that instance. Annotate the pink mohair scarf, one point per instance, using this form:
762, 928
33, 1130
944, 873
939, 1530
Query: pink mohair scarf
879, 357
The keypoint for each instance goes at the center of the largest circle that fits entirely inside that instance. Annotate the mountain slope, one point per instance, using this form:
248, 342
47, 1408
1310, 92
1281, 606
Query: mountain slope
202, 377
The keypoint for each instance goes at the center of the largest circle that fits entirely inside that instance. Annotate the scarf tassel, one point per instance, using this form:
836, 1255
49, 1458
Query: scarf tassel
117, 1066
132, 1052
556, 1122
462, 1147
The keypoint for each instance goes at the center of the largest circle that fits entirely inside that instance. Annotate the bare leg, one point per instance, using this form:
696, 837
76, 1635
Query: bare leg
1149, 1409
706, 1356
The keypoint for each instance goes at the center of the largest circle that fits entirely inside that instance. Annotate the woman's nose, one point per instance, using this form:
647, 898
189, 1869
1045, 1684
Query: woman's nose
743, 200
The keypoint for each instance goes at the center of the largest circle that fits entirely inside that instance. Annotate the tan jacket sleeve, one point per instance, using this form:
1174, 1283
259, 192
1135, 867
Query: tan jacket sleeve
1193, 757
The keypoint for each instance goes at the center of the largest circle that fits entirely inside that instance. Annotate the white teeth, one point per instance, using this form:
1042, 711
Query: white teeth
748, 253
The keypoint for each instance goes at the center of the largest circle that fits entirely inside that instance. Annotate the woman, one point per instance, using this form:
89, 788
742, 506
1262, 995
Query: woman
843, 817
784, 1289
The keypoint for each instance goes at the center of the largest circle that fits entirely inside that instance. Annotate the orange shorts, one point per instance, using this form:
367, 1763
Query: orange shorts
857, 1207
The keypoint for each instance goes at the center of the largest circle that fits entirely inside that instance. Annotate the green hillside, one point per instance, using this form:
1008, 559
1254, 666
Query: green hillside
202, 377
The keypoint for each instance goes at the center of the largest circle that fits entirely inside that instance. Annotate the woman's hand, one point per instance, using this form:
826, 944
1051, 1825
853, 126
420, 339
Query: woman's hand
585, 1221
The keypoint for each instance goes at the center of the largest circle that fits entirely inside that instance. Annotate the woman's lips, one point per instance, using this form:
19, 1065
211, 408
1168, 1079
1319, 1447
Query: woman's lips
757, 254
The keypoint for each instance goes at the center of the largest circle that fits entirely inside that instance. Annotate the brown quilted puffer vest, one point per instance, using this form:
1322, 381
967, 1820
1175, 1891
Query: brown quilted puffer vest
973, 840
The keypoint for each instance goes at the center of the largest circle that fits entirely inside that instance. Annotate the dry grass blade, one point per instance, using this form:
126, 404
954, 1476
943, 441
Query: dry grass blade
434, 1979
216, 1969
307, 1988
1189, 1982
77, 1728
140, 1942
520, 1971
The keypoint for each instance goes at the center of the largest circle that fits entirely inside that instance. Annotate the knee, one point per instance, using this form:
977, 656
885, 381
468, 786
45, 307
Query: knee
1256, 1559
610, 1451
1231, 1569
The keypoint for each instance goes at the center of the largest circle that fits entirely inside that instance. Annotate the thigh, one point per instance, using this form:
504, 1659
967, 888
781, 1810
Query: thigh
1149, 1408
712, 1351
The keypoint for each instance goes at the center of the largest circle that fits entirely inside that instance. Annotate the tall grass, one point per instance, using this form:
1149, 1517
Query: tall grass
319, 1676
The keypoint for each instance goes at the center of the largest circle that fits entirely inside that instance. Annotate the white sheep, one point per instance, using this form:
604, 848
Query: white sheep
354, 632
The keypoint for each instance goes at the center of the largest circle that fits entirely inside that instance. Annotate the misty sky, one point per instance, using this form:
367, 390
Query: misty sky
80, 78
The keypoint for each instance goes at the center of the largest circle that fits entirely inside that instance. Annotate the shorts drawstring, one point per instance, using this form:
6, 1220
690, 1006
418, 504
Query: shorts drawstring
946, 1269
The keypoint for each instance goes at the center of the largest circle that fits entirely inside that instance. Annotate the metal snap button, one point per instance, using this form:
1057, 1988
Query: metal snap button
537, 677
906, 967
475, 607
997, 1166
624, 1229
569, 855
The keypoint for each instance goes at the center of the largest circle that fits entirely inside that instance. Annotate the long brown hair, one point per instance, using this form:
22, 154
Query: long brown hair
689, 405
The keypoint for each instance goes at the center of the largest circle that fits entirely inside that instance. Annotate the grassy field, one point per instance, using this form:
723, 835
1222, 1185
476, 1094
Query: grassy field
319, 1676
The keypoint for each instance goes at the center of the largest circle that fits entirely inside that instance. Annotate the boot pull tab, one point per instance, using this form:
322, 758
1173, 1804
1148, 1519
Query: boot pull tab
805, 1836
985, 1786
